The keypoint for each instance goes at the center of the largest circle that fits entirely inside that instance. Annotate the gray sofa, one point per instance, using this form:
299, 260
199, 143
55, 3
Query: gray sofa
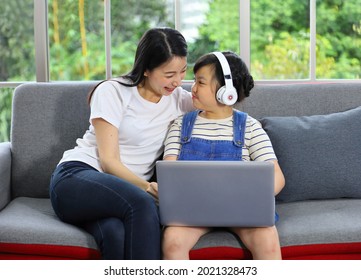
315, 131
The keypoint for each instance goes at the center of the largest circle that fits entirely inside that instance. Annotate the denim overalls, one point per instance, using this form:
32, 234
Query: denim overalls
194, 148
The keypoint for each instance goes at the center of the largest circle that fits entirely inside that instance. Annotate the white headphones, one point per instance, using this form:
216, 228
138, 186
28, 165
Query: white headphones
227, 94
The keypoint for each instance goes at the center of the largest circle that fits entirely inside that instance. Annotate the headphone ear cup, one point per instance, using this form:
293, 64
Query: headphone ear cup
220, 94
227, 97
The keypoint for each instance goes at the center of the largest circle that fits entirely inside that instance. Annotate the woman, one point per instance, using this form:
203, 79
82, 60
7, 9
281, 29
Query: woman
101, 184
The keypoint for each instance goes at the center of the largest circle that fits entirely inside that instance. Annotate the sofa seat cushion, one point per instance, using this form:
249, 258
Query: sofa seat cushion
328, 228
29, 229
314, 229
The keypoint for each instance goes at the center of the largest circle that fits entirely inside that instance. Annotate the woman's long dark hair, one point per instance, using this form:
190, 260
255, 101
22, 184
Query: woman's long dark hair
156, 46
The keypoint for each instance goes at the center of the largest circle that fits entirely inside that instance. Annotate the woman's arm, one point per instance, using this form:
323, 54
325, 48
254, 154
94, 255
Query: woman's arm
279, 178
109, 154
153, 187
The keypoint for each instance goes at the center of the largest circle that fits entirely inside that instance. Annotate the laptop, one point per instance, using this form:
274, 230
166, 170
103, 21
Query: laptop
216, 193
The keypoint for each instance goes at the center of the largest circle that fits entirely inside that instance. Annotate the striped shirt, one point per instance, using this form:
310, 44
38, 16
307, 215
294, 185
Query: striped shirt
257, 145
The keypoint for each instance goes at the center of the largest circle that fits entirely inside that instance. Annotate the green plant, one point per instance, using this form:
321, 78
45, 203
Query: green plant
5, 113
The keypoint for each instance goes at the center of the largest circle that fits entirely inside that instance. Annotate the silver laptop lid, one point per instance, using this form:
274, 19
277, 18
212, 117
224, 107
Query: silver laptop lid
216, 193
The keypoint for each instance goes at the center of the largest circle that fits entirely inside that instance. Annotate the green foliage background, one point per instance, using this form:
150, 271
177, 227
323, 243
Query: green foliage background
5, 114
279, 39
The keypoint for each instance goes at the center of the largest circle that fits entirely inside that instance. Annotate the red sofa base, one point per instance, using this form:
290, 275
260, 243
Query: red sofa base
339, 251
10, 251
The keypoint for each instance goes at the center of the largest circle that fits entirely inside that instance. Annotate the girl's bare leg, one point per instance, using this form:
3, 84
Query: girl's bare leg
178, 241
262, 242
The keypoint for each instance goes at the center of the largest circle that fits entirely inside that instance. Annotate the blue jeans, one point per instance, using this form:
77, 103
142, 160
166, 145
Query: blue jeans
123, 219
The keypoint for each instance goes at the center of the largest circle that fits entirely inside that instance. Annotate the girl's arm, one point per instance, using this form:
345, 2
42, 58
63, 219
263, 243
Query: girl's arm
109, 155
170, 158
279, 178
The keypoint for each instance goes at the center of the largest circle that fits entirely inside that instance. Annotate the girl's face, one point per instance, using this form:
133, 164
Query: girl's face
165, 78
204, 89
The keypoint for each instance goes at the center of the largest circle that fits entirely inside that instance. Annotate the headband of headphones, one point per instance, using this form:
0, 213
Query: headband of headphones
226, 70
227, 94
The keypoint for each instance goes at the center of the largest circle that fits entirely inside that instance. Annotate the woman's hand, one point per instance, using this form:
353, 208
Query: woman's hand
153, 189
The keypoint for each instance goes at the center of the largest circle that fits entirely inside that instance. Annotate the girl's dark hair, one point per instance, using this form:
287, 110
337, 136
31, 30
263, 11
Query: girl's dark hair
156, 46
241, 78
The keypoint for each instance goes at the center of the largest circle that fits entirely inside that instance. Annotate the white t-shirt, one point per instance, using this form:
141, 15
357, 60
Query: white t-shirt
257, 145
142, 126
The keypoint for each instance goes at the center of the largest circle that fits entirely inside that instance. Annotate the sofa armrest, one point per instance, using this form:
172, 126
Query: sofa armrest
5, 173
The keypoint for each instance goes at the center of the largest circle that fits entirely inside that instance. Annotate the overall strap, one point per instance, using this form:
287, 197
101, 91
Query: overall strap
239, 127
187, 126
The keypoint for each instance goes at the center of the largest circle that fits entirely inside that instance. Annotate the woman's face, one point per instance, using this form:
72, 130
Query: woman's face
165, 78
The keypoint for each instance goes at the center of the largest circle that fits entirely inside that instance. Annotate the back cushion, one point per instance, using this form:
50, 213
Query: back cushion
47, 118
301, 99
320, 155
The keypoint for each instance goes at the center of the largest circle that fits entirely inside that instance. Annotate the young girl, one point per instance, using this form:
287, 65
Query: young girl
220, 81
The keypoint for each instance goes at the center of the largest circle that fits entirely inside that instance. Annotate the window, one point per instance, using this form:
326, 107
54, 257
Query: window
17, 61
280, 40
129, 20
76, 40
5, 113
338, 39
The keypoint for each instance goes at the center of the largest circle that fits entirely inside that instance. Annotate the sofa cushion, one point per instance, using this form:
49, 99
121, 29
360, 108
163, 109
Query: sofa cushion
5, 173
47, 119
320, 155
302, 99
314, 229
306, 222
30, 228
